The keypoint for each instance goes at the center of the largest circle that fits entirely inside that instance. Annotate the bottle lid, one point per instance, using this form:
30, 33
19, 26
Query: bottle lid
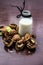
26, 13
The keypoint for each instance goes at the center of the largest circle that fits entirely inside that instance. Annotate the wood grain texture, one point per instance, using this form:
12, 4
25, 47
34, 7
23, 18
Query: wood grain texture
7, 16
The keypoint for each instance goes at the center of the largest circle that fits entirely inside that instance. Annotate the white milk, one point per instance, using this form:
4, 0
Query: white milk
25, 24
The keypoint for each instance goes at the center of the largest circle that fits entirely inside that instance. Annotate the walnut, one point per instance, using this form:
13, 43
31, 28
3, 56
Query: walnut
27, 36
12, 32
5, 35
20, 44
31, 44
14, 26
16, 37
7, 41
6, 44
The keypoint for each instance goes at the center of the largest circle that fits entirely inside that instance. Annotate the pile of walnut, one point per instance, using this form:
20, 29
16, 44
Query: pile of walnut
19, 42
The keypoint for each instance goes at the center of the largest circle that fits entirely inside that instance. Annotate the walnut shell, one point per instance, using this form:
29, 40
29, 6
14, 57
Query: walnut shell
31, 44
16, 37
19, 45
12, 32
27, 36
14, 26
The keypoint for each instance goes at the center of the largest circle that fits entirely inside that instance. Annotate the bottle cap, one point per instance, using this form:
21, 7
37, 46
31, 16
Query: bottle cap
26, 13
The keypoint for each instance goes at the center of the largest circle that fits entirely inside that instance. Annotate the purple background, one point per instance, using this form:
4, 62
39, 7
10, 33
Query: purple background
7, 16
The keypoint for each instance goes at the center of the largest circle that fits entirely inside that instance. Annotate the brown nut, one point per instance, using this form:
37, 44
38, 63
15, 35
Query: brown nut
19, 45
5, 35
7, 44
27, 36
7, 38
7, 41
13, 26
12, 32
31, 44
16, 37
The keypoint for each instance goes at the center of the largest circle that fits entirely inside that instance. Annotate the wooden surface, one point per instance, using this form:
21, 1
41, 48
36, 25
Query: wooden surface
7, 16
